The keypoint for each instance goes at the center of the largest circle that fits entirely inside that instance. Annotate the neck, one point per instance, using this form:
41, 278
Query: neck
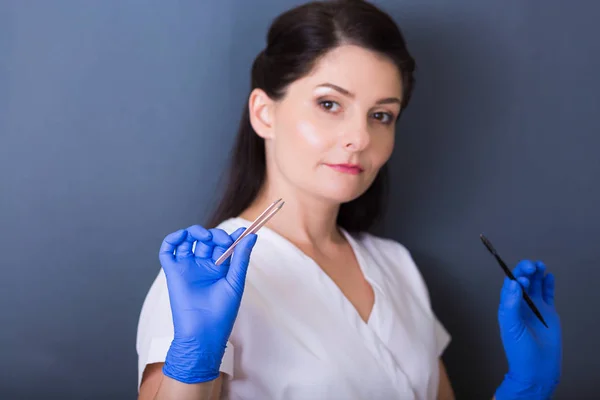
304, 219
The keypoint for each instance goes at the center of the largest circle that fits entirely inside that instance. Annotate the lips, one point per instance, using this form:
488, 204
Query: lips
352, 169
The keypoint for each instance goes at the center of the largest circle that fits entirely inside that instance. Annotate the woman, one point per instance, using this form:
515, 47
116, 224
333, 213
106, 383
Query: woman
323, 309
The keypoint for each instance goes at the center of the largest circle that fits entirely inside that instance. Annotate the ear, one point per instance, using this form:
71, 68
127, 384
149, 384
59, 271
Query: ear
260, 108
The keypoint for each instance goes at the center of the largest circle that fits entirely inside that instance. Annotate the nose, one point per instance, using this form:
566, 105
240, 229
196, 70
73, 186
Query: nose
357, 137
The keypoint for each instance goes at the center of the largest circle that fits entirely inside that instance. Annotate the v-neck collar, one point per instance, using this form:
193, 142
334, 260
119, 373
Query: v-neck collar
293, 288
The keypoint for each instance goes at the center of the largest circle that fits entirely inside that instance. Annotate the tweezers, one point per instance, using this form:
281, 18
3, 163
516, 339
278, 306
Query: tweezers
509, 274
254, 227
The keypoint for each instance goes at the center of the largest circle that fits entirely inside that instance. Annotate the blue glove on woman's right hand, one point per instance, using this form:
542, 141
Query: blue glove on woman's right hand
534, 352
204, 298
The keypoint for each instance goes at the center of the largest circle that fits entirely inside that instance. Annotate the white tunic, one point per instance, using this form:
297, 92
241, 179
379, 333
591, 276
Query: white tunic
297, 337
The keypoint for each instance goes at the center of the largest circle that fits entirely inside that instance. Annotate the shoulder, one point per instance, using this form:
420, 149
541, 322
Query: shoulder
388, 252
385, 246
396, 262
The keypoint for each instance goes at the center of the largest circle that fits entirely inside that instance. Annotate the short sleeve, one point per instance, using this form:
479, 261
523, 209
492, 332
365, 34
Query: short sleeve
155, 329
442, 337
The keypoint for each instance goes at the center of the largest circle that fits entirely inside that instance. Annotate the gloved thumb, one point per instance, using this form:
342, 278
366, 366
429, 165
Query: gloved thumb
509, 311
236, 276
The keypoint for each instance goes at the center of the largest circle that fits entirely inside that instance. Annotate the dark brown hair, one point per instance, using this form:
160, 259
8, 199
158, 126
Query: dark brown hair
295, 42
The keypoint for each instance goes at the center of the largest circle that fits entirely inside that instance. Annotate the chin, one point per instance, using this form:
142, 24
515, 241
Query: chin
341, 193
337, 189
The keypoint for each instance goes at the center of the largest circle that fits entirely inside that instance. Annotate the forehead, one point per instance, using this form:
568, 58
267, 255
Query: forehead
361, 71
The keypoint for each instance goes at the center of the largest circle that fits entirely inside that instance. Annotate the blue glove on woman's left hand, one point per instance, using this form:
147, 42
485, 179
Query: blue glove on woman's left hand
534, 352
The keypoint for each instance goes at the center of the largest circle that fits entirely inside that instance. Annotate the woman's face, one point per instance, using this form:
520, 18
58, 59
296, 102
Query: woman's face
335, 128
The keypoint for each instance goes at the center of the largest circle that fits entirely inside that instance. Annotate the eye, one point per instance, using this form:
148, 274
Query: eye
329, 105
384, 117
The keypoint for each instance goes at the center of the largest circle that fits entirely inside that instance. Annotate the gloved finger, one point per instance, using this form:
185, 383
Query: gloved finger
548, 289
524, 268
199, 233
195, 233
536, 280
222, 241
203, 244
234, 236
169, 244
509, 311
236, 276
203, 250
525, 283
184, 250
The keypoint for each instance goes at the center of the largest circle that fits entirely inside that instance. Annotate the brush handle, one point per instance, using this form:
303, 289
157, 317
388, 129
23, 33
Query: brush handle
525, 296
533, 308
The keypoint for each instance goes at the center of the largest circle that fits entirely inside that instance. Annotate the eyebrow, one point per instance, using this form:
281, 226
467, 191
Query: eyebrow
388, 100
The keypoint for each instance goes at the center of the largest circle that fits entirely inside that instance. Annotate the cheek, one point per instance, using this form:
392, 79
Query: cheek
304, 139
308, 134
299, 146
304, 129
383, 149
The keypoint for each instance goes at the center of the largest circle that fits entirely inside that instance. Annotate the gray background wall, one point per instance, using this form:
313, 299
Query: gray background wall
115, 116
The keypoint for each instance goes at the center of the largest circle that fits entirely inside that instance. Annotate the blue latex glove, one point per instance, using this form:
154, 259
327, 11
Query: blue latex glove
534, 352
205, 298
